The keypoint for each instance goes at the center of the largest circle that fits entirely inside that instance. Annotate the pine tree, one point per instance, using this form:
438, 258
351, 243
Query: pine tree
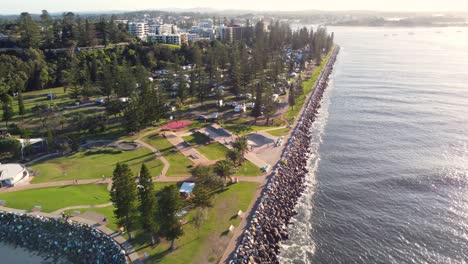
124, 197
21, 108
7, 107
182, 89
29, 31
270, 105
257, 109
201, 196
235, 71
148, 203
47, 29
169, 205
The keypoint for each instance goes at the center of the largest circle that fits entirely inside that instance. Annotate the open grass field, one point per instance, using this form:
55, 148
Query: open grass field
207, 244
248, 169
213, 151
37, 97
279, 132
92, 164
241, 130
179, 164
54, 198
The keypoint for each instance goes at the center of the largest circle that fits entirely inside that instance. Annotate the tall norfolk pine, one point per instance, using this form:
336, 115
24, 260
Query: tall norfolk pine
148, 203
124, 197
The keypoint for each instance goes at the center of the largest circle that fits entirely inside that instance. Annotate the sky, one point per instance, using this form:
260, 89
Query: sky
35, 6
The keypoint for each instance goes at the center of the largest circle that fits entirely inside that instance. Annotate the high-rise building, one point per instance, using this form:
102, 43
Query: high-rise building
138, 29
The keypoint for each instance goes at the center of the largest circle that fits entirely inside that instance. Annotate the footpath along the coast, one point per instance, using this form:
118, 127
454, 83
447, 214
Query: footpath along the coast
267, 223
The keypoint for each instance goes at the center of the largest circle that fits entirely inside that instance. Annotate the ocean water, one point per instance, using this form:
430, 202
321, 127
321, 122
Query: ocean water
389, 170
17, 255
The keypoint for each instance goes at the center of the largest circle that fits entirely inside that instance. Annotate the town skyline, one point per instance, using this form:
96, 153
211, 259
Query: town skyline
299, 5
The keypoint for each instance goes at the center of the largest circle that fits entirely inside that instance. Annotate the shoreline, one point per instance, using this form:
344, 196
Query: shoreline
59, 239
259, 241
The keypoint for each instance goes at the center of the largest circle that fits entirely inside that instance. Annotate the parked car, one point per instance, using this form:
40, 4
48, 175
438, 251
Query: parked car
213, 117
100, 101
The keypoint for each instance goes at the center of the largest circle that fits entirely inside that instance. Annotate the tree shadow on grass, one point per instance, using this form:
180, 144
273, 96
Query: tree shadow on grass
137, 158
102, 151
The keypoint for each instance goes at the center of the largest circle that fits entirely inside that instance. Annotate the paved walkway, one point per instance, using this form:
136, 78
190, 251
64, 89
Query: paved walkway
158, 155
61, 210
130, 251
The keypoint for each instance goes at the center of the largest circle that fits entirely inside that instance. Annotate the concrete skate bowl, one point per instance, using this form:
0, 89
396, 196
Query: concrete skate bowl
257, 140
125, 146
110, 144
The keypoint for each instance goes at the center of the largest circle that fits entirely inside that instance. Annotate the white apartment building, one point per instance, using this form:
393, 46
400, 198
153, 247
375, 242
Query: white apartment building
162, 29
138, 29
166, 39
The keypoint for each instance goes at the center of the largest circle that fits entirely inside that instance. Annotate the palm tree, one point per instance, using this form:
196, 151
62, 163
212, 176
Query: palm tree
224, 169
242, 145
235, 156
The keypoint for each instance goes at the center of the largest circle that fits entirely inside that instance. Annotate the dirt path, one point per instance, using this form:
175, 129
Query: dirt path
61, 210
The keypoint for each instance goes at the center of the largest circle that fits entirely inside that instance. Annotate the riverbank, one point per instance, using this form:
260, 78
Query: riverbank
267, 224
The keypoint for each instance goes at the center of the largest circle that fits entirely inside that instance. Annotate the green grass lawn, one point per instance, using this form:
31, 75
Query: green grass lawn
179, 164
213, 151
248, 169
279, 132
54, 198
240, 130
92, 164
197, 124
211, 240
196, 138
40, 96
308, 86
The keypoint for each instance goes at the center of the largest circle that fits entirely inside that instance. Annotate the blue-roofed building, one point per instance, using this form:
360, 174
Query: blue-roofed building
186, 189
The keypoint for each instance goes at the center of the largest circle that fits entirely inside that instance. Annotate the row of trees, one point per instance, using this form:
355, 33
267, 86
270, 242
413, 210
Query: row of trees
69, 31
137, 205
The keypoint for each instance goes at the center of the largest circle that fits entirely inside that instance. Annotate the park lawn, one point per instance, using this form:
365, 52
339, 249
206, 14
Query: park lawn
196, 138
207, 244
180, 165
248, 169
241, 130
108, 212
93, 164
213, 151
33, 98
308, 85
54, 198
279, 132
